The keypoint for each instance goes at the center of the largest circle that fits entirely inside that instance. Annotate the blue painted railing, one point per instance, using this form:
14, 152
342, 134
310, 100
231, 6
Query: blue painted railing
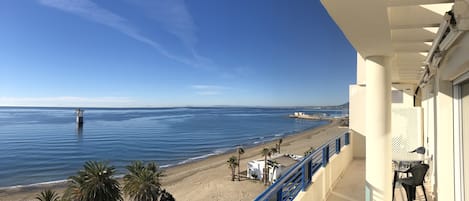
298, 177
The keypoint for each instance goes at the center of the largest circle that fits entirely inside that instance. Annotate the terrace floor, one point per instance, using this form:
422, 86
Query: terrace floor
351, 187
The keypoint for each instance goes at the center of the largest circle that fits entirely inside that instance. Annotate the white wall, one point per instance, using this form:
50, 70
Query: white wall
407, 95
325, 178
444, 140
357, 105
428, 106
358, 142
406, 128
361, 70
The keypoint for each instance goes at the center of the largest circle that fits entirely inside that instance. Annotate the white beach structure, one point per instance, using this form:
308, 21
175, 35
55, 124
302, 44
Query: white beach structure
412, 90
255, 170
277, 164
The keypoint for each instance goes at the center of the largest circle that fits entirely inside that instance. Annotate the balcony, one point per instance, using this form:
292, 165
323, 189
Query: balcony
351, 186
314, 175
334, 172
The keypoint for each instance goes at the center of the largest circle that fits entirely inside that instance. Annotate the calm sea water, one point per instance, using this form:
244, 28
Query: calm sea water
44, 145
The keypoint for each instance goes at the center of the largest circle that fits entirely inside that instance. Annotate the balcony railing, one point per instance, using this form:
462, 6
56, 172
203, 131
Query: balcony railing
298, 177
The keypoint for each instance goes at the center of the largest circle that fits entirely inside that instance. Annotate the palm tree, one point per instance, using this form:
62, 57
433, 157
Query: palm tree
166, 196
240, 151
47, 195
142, 183
266, 152
73, 191
94, 182
232, 163
273, 150
279, 143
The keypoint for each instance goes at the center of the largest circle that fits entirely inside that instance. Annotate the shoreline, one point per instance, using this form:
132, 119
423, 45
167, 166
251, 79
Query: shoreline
169, 166
179, 173
224, 156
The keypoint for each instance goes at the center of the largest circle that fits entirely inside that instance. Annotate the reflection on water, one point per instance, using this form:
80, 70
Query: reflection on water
79, 131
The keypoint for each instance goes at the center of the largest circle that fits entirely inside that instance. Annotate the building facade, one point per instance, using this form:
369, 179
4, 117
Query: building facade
412, 88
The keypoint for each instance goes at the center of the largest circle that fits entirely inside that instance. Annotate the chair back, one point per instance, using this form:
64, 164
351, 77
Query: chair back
418, 173
419, 150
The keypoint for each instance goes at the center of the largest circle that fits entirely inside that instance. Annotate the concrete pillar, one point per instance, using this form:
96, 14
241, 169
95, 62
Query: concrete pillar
378, 130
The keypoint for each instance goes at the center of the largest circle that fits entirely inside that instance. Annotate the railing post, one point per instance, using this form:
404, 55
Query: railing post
280, 194
304, 170
325, 155
303, 177
337, 145
309, 171
347, 138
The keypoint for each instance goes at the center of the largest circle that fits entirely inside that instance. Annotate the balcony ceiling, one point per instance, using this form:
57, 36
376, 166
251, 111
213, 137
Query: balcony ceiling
401, 29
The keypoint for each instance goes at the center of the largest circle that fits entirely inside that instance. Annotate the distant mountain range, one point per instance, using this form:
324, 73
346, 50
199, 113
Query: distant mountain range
344, 106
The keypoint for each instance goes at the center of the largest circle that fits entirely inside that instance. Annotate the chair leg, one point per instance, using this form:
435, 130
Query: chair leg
424, 193
408, 191
394, 184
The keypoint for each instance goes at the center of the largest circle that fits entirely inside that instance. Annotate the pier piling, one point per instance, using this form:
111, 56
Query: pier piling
79, 112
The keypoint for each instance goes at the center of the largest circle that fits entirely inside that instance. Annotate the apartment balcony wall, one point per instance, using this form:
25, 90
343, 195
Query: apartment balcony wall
324, 180
361, 70
357, 105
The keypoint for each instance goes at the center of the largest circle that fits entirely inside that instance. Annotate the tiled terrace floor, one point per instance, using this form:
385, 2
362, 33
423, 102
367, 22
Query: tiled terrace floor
351, 187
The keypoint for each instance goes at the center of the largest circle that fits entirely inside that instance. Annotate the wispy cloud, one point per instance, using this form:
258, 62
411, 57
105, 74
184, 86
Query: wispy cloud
209, 89
68, 101
173, 15
176, 19
181, 26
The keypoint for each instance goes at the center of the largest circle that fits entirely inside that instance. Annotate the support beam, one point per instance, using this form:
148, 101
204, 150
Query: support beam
378, 130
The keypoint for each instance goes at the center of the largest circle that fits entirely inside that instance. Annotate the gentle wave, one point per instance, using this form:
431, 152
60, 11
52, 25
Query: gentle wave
53, 148
249, 115
189, 160
34, 185
216, 152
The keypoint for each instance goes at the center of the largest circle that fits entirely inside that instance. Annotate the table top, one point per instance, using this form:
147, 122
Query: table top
403, 161
404, 156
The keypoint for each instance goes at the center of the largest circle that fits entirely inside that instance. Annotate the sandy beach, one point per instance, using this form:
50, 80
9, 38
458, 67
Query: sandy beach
210, 178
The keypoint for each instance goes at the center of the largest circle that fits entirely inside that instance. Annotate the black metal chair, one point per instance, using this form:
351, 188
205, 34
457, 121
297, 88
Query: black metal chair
419, 150
417, 179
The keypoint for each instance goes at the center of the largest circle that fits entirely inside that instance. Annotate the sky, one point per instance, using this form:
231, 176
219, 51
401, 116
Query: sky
165, 53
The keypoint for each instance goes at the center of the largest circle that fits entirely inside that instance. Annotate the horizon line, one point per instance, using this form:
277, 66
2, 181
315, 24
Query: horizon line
156, 107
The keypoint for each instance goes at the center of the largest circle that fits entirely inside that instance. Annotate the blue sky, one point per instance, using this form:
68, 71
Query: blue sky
171, 53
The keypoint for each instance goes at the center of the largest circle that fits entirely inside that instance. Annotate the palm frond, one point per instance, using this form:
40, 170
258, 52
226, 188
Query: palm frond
47, 195
142, 182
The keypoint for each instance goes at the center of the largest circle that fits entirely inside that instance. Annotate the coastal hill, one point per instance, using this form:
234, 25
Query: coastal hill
344, 106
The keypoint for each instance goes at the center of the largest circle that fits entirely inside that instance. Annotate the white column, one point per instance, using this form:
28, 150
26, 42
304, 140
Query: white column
378, 130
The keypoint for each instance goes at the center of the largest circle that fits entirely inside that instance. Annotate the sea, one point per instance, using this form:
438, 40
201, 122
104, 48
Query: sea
45, 145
